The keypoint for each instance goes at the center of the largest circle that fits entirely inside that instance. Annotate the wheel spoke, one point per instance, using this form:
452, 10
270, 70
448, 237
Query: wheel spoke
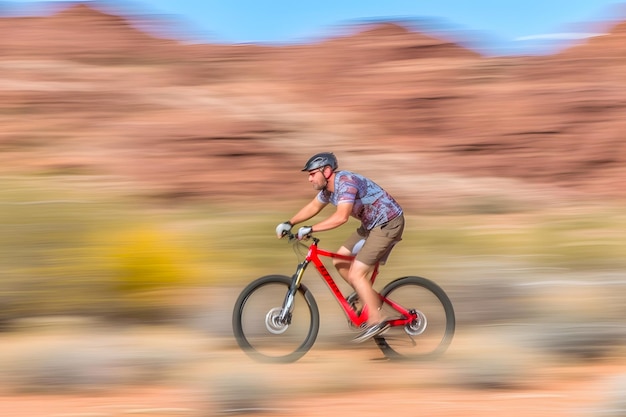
257, 325
431, 332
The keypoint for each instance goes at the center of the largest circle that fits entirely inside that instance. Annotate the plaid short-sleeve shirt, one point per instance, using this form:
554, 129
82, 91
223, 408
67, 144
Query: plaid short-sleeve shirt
373, 206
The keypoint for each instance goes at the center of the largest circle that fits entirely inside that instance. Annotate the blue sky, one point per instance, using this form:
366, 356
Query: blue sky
496, 26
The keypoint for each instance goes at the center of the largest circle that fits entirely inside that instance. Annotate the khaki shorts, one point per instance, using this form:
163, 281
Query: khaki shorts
378, 242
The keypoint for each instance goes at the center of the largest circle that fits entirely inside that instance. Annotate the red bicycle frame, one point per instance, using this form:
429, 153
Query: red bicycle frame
356, 318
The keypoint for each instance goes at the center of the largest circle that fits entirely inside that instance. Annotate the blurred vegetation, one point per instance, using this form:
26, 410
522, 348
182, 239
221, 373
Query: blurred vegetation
77, 253
69, 249
73, 249
580, 240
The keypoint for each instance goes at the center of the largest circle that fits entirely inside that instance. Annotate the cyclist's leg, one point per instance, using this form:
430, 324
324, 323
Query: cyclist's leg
377, 245
357, 274
359, 278
343, 266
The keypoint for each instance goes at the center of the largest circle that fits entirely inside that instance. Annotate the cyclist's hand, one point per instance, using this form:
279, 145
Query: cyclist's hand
283, 229
304, 231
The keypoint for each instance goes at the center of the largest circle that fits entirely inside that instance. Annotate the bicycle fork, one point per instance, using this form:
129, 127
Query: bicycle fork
288, 303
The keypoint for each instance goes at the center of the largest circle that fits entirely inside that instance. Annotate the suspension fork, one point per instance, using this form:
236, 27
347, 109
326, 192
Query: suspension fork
288, 303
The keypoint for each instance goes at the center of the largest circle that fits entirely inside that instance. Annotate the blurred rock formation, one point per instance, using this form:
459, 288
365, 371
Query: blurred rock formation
83, 92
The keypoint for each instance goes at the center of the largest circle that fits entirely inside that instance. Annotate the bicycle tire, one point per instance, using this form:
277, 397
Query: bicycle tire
430, 335
261, 338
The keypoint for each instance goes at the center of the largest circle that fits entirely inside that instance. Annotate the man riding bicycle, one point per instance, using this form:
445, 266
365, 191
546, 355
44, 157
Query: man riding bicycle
382, 224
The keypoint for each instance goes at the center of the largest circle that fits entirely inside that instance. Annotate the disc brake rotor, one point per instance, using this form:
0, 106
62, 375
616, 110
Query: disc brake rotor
417, 326
273, 323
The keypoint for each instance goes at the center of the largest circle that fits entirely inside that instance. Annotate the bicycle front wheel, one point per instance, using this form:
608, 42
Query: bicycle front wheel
257, 327
430, 334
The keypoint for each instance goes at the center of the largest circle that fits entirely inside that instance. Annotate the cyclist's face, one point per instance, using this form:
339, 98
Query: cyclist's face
316, 177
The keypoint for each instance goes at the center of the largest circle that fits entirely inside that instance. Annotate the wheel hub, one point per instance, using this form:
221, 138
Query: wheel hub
273, 323
417, 326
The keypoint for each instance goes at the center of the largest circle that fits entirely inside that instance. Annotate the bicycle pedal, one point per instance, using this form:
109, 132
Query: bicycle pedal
352, 298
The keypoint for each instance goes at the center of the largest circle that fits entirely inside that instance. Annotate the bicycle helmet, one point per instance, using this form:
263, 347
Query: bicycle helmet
320, 160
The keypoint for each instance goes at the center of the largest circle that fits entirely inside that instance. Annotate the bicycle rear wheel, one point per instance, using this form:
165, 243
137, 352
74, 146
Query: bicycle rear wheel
431, 333
259, 332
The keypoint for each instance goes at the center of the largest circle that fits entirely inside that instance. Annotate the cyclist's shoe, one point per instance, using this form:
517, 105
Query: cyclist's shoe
371, 331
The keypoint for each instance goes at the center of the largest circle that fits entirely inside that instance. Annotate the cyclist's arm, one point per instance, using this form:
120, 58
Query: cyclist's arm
308, 211
339, 217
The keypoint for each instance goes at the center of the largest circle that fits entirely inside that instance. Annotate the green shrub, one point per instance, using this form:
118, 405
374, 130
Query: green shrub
61, 254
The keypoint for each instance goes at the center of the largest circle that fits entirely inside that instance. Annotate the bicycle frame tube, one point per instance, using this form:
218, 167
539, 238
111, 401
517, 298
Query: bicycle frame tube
314, 255
356, 318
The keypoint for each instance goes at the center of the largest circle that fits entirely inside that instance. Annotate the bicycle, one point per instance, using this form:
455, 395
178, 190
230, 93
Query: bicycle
276, 318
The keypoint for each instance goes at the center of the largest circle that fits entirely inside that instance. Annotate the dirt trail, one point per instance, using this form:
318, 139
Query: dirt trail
317, 386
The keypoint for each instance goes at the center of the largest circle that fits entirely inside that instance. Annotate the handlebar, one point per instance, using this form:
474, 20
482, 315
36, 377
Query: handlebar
291, 237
